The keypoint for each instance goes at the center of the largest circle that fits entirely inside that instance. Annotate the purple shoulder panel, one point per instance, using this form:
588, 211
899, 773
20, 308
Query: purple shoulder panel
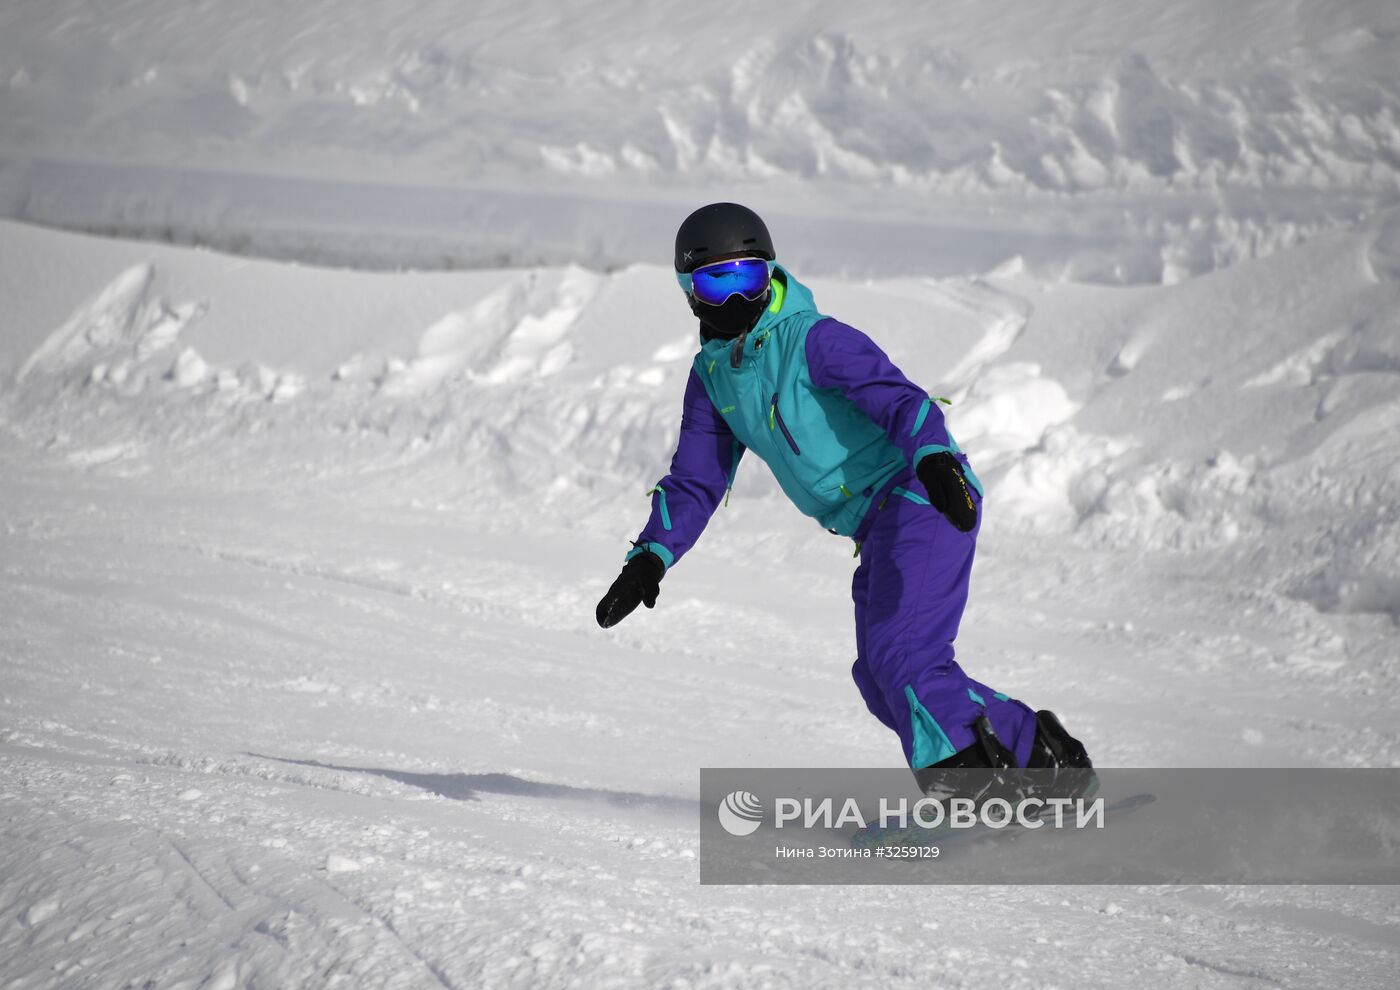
841, 357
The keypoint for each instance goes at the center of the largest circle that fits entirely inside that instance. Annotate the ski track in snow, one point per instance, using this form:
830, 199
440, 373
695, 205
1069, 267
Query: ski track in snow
165, 851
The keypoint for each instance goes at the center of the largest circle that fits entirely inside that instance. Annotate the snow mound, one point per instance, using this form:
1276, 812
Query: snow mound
1184, 417
101, 325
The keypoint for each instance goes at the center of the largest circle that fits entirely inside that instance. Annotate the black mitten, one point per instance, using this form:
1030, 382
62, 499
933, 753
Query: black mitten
943, 479
638, 584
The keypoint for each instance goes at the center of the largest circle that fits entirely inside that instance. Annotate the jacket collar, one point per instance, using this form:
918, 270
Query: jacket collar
789, 297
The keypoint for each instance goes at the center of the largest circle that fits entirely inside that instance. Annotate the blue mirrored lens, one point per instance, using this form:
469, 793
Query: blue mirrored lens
713, 284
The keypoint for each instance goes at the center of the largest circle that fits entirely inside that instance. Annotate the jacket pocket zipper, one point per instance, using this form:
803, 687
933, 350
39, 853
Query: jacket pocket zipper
776, 418
665, 513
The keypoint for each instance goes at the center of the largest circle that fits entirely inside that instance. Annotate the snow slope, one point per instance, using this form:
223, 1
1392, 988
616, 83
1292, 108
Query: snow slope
302, 685
299, 678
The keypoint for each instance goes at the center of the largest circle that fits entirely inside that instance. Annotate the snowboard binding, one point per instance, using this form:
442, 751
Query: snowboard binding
1059, 763
1070, 771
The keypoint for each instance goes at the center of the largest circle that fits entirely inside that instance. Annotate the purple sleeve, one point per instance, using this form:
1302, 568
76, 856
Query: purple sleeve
843, 358
702, 468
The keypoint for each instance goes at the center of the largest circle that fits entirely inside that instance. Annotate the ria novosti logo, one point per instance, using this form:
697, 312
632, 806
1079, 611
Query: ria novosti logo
741, 813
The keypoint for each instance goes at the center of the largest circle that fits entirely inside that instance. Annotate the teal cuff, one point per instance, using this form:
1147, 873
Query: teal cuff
931, 448
667, 557
930, 744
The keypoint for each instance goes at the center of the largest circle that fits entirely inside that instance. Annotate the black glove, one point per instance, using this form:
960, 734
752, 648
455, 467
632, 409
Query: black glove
638, 584
942, 476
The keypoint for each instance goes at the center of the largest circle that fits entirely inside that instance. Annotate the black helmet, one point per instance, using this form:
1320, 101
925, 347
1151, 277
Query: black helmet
718, 230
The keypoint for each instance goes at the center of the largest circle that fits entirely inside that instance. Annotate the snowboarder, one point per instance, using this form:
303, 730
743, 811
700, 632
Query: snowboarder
856, 445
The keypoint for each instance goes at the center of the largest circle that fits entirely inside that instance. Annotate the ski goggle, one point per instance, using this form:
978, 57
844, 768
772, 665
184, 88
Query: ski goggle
714, 283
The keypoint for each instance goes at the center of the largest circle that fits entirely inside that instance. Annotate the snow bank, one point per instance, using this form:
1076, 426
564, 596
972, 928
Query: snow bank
1137, 144
1192, 416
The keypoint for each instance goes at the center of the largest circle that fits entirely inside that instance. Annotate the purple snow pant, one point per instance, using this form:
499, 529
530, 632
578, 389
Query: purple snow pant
910, 591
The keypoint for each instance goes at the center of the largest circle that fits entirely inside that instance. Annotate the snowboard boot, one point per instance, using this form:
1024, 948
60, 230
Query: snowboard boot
984, 770
945, 779
1071, 772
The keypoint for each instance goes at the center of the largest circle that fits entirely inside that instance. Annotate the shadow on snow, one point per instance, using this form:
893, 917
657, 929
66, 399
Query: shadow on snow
469, 786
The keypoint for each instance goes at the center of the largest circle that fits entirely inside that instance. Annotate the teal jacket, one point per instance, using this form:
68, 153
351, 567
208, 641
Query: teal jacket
837, 423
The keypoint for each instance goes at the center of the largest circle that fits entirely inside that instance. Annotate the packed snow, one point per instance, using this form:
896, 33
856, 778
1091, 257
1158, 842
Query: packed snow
300, 683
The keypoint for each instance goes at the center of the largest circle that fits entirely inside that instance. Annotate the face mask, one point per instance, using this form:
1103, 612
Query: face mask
735, 316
